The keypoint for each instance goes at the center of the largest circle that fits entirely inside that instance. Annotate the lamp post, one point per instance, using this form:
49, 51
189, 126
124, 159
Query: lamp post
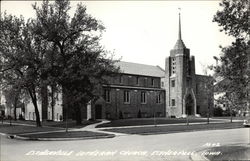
136, 101
153, 93
67, 118
116, 102
208, 104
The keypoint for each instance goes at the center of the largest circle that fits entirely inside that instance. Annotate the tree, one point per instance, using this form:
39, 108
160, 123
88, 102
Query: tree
233, 19
22, 56
12, 97
77, 62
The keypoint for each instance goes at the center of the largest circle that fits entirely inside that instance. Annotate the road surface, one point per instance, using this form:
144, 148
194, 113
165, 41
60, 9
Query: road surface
175, 146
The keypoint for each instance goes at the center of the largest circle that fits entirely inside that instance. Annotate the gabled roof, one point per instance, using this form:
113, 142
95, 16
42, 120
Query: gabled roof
140, 69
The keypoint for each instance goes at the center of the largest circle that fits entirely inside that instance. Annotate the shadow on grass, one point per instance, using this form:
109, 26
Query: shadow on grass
70, 134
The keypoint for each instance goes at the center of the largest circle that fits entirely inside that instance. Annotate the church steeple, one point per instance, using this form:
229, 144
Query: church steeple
179, 25
179, 44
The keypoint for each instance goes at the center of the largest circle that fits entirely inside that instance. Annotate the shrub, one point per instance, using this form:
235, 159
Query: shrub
139, 114
120, 115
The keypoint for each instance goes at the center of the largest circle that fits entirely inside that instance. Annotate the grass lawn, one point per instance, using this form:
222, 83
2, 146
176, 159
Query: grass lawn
61, 124
70, 134
46, 126
231, 152
16, 129
150, 121
174, 129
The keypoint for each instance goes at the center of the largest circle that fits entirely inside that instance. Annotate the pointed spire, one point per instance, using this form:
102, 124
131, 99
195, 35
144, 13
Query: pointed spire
179, 37
179, 44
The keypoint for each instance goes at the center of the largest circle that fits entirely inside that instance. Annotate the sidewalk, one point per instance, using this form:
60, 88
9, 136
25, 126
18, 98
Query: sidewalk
94, 129
47, 133
30, 132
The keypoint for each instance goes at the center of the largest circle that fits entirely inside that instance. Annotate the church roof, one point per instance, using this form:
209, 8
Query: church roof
140, 69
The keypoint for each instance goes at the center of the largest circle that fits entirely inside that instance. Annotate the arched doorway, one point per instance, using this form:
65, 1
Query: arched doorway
189, 105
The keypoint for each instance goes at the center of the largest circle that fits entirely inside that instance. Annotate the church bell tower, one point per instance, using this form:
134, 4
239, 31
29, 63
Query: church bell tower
180, 80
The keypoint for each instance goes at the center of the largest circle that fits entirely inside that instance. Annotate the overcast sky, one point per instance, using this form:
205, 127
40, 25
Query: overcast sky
145, 31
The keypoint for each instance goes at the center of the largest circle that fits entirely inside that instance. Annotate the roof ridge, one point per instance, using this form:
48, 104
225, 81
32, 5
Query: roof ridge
139, 63
140, 69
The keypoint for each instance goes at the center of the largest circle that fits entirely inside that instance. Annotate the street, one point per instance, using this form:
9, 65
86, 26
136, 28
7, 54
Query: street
175, 146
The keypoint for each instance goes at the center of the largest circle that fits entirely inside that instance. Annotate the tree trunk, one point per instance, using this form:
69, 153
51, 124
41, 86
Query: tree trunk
34, 101
65, 103
52, 102
208, 118
78, 115
15, 106
44, 97
231, 115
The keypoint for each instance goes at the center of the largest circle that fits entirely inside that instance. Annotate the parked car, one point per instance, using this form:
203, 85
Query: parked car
246, 122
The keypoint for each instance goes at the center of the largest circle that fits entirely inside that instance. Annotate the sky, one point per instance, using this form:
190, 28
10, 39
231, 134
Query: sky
145, 31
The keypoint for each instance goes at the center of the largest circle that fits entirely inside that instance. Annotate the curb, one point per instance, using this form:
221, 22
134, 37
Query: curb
198, 156
170, 132
3, 134
59, 139
159, 125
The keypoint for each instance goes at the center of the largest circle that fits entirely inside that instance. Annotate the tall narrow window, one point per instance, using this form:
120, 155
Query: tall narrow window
107, 95
143, 97
162, 84
152, 81
145, 82
126, 97
173, 102
120, 79
137, 80
173, 83
173, 65
129, 80
158, 98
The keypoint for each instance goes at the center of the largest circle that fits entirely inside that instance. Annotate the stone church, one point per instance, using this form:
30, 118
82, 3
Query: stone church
186, 92
146, 91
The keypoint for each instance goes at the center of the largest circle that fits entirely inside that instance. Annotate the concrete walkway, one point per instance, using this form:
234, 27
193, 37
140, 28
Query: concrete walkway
93, 128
